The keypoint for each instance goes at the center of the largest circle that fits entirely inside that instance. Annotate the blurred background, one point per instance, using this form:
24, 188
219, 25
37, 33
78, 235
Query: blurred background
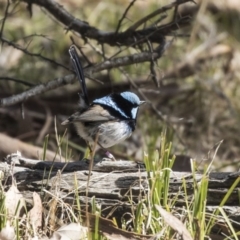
195, 95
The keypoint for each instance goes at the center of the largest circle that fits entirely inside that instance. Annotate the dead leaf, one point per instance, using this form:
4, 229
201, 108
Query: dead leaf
110, 230
174, 223
14, 201
72, 231
7, 233
35, 214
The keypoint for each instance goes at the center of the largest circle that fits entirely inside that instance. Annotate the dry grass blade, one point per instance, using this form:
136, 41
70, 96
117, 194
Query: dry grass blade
174, 223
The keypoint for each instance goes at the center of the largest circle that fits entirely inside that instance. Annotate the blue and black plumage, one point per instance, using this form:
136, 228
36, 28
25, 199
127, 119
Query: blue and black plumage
108, 120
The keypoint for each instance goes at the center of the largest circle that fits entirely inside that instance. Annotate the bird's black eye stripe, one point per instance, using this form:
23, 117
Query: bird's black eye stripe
123, 104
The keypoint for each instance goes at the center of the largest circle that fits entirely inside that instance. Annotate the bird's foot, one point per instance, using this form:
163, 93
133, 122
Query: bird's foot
110, 156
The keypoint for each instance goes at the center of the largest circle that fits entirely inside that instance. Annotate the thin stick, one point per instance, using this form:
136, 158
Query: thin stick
92, 154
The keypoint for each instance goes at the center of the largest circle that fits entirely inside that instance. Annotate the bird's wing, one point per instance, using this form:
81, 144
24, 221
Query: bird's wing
95, 113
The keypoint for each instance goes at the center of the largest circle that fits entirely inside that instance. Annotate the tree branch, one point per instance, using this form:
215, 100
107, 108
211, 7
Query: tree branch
106, 65
36, 90
128, 38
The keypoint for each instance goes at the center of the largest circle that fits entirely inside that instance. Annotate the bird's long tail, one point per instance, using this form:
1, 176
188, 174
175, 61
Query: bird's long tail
79, 71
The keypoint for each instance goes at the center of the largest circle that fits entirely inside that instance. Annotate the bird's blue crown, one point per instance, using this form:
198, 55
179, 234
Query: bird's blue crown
131, 97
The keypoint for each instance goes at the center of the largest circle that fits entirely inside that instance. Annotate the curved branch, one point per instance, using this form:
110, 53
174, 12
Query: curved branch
126, 38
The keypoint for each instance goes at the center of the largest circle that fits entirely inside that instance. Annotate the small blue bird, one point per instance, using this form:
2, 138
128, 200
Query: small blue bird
106, 121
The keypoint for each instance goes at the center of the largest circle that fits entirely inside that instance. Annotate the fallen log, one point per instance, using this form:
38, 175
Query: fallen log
112, 183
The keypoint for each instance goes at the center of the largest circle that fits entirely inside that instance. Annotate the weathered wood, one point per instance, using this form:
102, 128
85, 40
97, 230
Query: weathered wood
111, 182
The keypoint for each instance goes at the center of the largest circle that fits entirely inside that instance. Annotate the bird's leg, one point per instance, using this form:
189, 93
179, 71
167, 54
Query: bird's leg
108, 154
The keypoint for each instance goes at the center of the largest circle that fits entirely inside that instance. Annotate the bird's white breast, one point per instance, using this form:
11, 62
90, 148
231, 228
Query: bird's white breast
109, 133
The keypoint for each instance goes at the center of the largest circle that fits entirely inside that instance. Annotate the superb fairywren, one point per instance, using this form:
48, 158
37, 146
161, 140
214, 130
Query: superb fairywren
106, 121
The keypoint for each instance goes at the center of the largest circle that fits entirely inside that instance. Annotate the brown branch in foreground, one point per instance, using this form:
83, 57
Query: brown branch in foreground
127, 38
106, 65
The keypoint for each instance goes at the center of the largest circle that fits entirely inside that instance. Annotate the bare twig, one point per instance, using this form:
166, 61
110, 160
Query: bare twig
17, 46
131, 59
39, 35
45, 129
124, 15
103, 52
17, 80
158, 20
152, 70
4, 18
155, 13
153, 73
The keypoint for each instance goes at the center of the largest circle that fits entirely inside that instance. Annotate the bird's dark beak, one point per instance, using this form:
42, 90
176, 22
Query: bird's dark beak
142, 102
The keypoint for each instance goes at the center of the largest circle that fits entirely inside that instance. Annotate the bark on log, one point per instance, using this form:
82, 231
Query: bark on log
111, 182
